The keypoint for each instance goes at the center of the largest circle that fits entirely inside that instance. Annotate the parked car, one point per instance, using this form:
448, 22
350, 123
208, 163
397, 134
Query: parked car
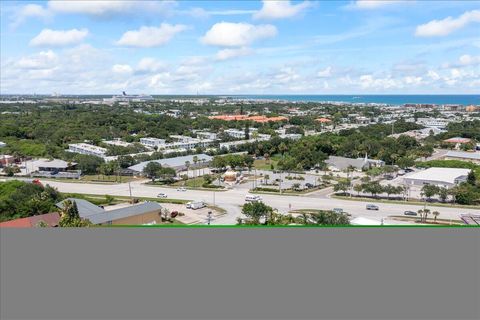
408, 170
337, 210
372, 207
182, 189
410, 213
189, 205
250, 198
161, 195
389, 177
197, 205
309, 185
174, 214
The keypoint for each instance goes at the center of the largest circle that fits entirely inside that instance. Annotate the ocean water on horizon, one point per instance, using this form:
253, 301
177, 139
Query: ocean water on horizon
380, 99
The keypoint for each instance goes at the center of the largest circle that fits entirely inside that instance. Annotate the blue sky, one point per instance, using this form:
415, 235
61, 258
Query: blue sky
240, 47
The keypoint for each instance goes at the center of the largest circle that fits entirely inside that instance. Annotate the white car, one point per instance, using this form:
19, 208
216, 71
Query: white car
161, 195
253, 198
182, 189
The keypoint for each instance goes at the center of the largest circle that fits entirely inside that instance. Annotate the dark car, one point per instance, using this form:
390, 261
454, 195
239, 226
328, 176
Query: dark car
408, 170
309, 185
410, 213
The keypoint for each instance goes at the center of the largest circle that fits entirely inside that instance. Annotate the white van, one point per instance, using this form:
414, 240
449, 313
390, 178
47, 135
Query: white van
250, 197
197, 205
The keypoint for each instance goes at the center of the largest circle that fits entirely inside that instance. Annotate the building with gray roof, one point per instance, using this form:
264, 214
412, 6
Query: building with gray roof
142, 213
177, 163
464, 156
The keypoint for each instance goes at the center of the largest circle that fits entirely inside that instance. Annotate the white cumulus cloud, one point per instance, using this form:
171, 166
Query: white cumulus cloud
229, 53
59, 38
147, 37
325, 73
30, 11
280, 9
373, 4
122, 68
150, 65
438, 28
108, 7
229, 34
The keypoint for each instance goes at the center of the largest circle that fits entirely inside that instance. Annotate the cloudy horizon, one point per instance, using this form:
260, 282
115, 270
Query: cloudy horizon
252, 47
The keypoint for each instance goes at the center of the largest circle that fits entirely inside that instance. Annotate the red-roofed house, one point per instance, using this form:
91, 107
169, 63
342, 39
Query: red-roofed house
51, 219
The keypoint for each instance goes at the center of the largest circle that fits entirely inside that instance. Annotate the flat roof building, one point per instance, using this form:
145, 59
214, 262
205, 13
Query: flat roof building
177, 163
89, 149
464, 156
442, 177
138, 214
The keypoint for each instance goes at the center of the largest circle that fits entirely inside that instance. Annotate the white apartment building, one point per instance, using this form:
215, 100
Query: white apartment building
207, 135
292, 136
152, 142
117, 142
238, 134
192, 143
85, 148
433, 123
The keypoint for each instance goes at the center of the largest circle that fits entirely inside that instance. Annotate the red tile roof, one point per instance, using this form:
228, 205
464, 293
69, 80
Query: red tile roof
50, 219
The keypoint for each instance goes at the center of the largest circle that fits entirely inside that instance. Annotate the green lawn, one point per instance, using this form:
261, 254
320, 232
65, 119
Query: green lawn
102, 178
419, 203
266, 164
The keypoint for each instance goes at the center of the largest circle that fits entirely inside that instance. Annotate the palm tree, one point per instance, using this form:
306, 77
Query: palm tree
435, 215
266, 177
187, 165
195, 161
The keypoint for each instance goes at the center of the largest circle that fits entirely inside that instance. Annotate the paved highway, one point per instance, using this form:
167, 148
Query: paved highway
231, 200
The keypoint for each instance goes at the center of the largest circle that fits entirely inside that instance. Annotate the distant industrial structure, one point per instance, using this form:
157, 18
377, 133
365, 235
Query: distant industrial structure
124, 97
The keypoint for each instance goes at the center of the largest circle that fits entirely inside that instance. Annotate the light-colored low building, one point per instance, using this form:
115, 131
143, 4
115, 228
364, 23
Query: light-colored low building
342, 163
2, 144
442, 177
89, 149
138, 214
463, 156
177, 163
152, 142
117, 142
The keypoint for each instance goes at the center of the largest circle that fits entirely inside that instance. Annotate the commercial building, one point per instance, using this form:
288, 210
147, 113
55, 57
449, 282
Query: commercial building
341, 163
85, 148
177, 163
442, 177
457, 141
138, 214
55, 169
464, 156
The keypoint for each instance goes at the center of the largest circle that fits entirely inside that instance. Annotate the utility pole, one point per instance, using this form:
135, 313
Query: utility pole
130, 191
209, 217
